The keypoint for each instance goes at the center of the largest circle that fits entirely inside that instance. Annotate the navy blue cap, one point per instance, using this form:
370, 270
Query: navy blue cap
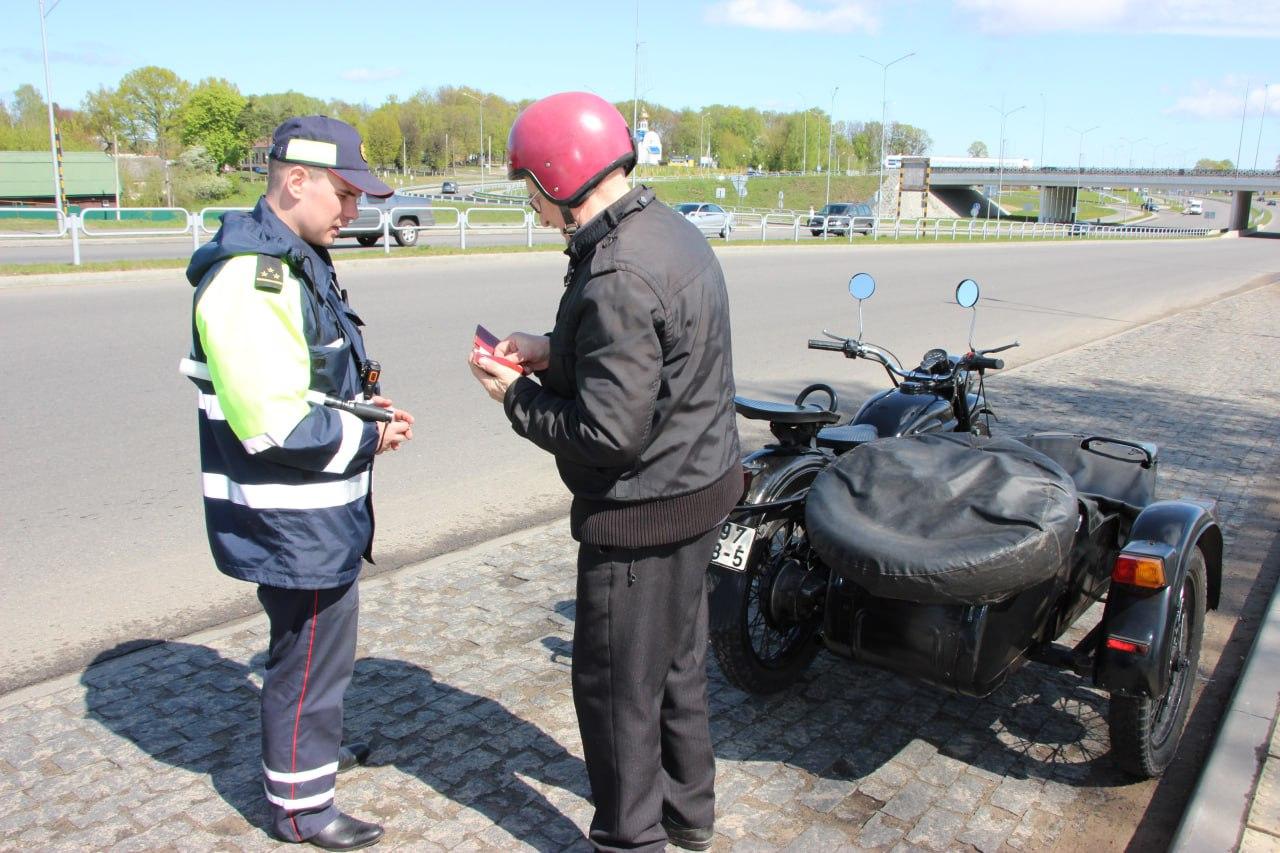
330, 143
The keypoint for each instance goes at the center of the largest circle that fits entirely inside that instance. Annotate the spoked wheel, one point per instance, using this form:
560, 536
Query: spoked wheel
763, 621
1145, 731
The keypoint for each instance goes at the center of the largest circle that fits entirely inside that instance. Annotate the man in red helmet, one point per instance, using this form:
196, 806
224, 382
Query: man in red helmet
634, 397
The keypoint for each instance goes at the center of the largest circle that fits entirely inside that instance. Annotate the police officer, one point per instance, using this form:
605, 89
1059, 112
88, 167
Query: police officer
634, 398
286, 478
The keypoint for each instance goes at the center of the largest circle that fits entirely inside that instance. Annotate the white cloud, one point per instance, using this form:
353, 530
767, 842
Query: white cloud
1222, 18
1226, 100
821, 15
84, 53
371, 75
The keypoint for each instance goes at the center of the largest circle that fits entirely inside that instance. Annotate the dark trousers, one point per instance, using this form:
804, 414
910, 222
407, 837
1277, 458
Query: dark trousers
309, 664
640, 689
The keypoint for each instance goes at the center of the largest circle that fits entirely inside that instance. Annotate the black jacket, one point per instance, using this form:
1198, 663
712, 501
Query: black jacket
637, 402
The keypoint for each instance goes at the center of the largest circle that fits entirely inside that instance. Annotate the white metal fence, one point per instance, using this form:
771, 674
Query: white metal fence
513, 219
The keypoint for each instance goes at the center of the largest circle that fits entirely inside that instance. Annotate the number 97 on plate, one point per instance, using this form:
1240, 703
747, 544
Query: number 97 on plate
733, 547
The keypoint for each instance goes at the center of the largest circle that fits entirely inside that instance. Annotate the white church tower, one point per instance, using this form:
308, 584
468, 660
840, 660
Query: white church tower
648, 143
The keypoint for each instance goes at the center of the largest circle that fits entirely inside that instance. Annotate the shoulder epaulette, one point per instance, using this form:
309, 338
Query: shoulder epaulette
270, 274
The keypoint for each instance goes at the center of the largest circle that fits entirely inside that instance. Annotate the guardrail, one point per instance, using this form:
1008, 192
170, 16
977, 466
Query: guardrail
92, 225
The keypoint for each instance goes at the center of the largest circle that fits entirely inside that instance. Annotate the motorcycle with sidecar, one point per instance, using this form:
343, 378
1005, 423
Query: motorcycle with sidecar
916, 542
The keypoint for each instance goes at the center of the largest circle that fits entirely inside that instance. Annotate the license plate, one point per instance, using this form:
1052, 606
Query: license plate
734, 546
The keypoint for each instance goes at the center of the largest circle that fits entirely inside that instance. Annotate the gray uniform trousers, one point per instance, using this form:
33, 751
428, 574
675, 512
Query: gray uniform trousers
640, 689
309, 665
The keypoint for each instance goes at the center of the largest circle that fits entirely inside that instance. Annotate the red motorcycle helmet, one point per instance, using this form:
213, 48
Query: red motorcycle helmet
568, 143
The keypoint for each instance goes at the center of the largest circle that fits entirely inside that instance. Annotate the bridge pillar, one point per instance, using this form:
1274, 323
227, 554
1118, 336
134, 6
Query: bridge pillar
1241, 200
1056, 204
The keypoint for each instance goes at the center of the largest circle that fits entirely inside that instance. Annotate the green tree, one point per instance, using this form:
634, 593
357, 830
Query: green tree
211, 119
1221, 165
152, 98
382, 136
978, 149
103, 113
906, 139
28, 106
263, 113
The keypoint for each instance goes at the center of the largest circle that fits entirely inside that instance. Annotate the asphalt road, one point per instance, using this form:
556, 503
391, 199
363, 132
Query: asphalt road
102, 538
112, 248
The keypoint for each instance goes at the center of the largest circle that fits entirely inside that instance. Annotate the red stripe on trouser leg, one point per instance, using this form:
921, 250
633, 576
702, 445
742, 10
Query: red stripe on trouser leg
306, 675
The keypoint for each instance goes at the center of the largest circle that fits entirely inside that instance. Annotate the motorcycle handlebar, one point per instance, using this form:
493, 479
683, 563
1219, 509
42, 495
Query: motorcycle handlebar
827, 345
982, 362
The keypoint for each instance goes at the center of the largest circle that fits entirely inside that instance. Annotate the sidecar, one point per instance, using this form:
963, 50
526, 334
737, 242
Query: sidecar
956, 558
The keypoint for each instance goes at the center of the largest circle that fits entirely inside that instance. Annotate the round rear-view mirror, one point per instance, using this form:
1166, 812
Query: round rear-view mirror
861, 286
967, 293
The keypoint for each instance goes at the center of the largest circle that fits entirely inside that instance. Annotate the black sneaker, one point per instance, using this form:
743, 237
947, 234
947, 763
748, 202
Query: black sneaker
687, 837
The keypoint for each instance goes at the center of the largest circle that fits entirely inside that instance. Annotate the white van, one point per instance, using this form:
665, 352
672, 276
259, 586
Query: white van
1193, 206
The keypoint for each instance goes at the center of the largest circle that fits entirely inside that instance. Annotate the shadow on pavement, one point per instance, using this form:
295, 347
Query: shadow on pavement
199, 711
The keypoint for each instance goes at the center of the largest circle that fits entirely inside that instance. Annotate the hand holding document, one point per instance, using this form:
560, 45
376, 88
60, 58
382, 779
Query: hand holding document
484, 343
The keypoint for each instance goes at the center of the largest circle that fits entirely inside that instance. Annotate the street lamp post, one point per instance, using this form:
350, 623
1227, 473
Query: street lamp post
1044, 120
884, 92
831, 129
1004, 114
1132, 142
1154, 148
480, 100
1266, 102
48, 95
1075, 211
804, 153
702, 121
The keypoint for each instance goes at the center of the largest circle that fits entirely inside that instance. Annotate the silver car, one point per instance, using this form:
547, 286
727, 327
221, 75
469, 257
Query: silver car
410, 213
711, 219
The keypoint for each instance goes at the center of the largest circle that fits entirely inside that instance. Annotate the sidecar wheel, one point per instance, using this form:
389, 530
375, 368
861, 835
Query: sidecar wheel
754, 653
1145, 730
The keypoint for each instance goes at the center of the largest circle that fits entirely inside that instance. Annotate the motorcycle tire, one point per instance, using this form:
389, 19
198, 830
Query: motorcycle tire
1145, 730
754, 655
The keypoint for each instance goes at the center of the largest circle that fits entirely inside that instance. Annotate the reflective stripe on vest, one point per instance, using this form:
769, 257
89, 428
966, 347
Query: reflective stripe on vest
352, 426
280, 496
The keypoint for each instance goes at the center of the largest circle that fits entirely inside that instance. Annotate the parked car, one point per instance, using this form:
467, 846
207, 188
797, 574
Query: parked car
410, 212
1271, 202
710, 219
841, 217
449, 188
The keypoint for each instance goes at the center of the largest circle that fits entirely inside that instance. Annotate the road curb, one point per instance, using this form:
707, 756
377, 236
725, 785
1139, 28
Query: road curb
1217, 814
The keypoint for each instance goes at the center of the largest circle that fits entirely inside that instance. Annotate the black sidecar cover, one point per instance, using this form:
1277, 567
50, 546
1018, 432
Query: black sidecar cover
943, 518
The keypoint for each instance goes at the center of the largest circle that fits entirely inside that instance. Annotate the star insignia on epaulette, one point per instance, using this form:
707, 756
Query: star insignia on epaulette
270, 274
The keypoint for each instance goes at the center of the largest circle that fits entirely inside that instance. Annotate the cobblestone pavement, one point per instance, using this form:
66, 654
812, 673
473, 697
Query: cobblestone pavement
462, 680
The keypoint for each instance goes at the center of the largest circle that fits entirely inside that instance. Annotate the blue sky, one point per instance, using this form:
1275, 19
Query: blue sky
1171, 73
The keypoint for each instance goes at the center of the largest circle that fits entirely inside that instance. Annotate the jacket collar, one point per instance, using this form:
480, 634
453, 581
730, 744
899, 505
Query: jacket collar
299, 252
591, 233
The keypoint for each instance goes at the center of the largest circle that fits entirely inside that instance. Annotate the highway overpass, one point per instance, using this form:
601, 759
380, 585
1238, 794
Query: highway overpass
1058, 185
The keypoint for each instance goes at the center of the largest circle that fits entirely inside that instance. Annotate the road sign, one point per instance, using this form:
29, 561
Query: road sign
719, 192
740, 184
779, 199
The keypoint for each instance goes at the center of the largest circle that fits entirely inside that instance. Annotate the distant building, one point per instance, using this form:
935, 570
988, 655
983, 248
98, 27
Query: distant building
26, 177
648, 143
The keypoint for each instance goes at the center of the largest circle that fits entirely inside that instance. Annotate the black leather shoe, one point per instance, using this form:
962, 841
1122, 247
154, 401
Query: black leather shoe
687, 837
352, 755
345, 832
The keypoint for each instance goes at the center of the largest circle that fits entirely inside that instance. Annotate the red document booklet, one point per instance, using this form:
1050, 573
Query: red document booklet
485, 341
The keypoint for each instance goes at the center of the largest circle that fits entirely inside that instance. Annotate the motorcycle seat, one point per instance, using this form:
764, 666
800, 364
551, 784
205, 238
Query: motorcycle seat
783, 413
846, 436
944, 518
